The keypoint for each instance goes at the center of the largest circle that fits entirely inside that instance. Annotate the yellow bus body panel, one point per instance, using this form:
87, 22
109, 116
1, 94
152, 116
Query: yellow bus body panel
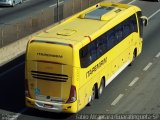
54, 73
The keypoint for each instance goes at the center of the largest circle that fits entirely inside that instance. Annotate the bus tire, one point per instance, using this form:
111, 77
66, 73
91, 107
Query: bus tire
134, 57
92, 97
100, 90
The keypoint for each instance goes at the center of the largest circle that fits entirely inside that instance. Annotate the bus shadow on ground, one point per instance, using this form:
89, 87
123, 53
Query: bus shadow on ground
12, 85
43, 114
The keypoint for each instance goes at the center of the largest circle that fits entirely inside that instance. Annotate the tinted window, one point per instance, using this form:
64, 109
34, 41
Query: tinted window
140, 23
126, 28
133, 24
119, 32
95, 49
111, 38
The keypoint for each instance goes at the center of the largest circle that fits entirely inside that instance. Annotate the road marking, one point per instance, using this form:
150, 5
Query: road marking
131, 1
147, 67
158, 55
15, 117
3, 73
134, 81
117, 99
153, 14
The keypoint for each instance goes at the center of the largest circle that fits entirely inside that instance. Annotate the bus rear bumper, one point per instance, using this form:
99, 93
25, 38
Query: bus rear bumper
51, 107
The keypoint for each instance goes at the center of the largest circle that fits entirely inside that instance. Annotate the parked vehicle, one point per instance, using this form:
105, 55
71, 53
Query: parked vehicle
10, 2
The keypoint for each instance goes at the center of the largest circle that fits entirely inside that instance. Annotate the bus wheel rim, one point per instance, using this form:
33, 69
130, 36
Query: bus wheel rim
101, 89
93, 93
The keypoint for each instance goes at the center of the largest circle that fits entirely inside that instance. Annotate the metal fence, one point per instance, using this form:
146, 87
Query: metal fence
27, 25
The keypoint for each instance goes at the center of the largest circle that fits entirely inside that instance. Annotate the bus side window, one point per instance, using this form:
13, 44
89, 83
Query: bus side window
139, 14
133, 24
126, 29
104, 43
100, 47
84, 57
119, 33
111, 39
92, 51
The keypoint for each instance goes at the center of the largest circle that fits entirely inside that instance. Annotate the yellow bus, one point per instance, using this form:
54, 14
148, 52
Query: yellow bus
68, 65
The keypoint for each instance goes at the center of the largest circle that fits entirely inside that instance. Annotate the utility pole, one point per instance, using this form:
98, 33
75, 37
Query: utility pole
57, 10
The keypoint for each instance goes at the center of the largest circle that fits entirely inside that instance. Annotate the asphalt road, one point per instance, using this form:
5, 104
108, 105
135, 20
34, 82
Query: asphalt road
134, 91
28, 7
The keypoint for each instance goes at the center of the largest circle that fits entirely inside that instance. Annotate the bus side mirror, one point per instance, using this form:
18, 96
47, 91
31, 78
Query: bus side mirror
144, 20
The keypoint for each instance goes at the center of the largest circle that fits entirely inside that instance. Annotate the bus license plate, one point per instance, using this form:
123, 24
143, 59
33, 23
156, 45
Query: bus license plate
48, 106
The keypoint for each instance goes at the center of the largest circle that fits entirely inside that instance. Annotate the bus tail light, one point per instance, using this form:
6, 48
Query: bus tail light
73, 96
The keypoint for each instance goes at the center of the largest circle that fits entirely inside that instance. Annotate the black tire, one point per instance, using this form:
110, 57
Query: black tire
100, 89
93, 95
134, 57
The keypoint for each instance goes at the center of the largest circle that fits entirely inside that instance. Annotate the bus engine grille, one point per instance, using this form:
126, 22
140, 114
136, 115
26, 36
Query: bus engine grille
49, 76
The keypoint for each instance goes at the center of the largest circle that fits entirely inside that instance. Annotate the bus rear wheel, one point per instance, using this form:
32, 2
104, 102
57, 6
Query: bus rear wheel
100, 90
134, 57
92, 97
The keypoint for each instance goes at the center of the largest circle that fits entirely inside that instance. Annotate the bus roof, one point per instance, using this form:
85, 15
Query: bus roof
88, 24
